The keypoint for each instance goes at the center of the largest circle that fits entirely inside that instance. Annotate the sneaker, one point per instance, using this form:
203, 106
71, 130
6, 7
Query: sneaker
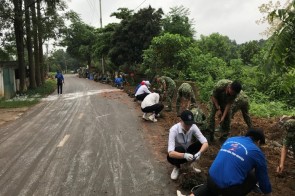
145, 116
175, 173
178, 193
152, 118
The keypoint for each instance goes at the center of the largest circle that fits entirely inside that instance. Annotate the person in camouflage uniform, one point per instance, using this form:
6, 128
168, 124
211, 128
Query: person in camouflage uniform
200, 119
242, 103
288, 124
185, 96
223, 95
167, 88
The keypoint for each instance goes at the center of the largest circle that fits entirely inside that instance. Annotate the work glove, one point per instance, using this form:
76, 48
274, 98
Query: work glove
197, 156
188, 156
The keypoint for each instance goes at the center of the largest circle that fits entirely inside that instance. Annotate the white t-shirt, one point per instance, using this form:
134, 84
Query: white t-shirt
142, 89
178, 138
150, 99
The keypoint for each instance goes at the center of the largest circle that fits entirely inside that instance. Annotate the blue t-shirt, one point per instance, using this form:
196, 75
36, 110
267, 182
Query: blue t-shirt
236, 158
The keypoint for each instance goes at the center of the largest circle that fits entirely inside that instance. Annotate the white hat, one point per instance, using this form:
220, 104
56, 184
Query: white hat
147, 83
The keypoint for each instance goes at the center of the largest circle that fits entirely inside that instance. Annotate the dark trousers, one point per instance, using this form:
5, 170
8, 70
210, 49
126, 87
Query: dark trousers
59, 88
157, 108
192, 149
141, 96
238, 190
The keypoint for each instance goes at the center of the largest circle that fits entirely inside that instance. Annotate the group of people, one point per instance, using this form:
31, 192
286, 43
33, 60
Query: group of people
240, 165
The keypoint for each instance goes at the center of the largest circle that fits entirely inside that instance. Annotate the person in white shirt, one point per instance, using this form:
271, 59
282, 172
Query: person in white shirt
181, 148
151, 104
143, 91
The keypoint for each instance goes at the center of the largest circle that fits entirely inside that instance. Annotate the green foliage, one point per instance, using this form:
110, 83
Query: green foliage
178, 22
219, 46
33, 96
171, 51
281, 54
248, 50
133, 35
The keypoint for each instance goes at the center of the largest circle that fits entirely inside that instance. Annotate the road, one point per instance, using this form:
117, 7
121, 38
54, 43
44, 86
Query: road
88, 141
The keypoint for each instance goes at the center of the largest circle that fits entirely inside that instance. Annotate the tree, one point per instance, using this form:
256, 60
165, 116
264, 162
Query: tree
178, 22
219, 46
170, 51
248, 50
133, 35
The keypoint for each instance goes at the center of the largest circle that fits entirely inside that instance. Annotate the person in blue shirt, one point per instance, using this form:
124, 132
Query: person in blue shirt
240, 166
60, 81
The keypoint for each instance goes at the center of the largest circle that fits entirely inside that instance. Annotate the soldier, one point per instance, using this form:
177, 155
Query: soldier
167, 87
242, 103
200, 119
185, 96
288, 123
223, 95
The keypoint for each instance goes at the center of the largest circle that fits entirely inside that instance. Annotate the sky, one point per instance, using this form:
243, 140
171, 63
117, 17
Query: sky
233, 18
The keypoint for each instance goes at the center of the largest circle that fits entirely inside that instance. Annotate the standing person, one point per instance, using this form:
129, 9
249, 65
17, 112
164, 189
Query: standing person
288, 123
237, 168
181, 149
167, 88
60, 81
242, 103
223, 95
185, 96
143, 91
151, 104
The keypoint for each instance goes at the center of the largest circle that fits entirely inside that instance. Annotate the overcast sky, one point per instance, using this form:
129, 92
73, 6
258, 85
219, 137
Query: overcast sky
233, 18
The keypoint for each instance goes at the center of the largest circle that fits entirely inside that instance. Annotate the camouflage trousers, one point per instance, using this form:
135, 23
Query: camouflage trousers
169, 97
224, 127
245, 112
184, 103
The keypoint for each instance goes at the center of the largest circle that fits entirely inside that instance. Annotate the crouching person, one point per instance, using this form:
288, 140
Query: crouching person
180, 147
151, 104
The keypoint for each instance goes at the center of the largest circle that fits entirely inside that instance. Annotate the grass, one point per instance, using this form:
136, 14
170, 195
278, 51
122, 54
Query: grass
270, 109
31, 97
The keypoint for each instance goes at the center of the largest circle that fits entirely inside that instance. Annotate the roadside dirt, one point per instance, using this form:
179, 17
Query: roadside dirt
157, 137
10, 114
282, 184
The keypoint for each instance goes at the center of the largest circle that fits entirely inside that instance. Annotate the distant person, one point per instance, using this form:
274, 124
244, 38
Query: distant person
288, 123
185, 96
238, 167
60, 81
223, 95
167, 88
143, 91
151, 104
181, 148
242, 103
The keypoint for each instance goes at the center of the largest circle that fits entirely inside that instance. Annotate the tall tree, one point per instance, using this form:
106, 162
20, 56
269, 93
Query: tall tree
19, 35
133, 35
177, 22
32, 77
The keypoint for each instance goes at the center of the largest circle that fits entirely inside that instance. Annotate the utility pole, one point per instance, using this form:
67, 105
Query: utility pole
102, 65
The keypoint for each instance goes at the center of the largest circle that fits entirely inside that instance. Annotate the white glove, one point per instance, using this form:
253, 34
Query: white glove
197, 156
188, 156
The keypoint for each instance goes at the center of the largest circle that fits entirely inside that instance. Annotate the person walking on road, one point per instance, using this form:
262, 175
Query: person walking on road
151, 104
181, 148
167, 88
185, 96
223, 95
288, 123
60, 81
242, 103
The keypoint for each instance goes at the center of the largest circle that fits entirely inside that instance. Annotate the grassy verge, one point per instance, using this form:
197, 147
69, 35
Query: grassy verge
271, 109
32, 96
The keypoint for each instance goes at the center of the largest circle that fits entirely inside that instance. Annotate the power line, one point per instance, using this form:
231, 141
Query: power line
139, 5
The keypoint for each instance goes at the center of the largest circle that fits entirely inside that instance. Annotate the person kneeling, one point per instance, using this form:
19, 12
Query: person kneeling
181, 149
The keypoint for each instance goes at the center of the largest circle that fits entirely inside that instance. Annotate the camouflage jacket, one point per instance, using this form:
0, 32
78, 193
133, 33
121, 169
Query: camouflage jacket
200, 118
185, 90
219, 92
168, 82
289, 132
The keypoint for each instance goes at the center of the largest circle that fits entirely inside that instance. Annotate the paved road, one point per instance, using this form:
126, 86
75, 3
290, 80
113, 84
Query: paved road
86, 142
